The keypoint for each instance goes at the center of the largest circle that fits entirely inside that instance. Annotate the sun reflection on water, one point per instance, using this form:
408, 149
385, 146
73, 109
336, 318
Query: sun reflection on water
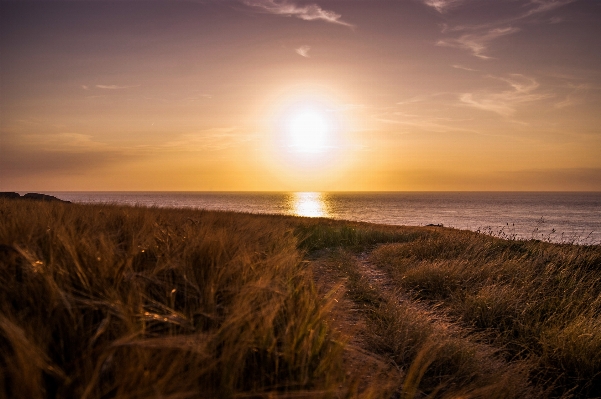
309, 204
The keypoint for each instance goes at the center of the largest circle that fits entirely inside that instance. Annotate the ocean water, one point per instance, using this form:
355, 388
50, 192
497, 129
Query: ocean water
553, 216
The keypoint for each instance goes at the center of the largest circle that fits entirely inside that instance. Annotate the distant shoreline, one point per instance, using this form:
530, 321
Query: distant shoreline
552, 216
30, 196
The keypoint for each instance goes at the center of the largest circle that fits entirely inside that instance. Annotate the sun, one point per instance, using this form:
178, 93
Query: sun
308, 136
308, 131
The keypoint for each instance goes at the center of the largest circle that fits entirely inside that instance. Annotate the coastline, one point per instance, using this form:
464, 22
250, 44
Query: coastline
562, 217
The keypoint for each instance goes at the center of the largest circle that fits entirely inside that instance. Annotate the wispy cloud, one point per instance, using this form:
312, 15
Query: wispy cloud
442, 5
523, 90
311, 12
68, 154
197, 97
545, 5
112, 87
546, 179
457, 66
213, 139
574, 97
418, 118
437, 125
476, 38
525, 9
66, 142
477, 42
303, 51
343, 107
423, 97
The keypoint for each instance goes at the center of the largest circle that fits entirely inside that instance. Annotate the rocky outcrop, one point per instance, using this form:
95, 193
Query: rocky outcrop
9, 195
30, 196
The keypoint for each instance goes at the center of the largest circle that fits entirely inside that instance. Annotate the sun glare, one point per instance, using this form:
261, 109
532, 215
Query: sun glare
308, 204
308, 136
308, 131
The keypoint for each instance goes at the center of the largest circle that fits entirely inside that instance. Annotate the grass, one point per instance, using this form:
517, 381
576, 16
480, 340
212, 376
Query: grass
102, 301
538, 300
318, 234
436, 363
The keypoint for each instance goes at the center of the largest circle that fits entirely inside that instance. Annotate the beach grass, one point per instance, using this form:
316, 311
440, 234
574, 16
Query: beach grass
107, 301
103, 301
537, 300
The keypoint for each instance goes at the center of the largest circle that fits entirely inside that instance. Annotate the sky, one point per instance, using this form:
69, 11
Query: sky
294, 95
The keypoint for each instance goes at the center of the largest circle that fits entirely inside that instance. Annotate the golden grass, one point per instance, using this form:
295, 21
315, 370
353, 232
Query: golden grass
538, 300
437, 363
102, 301
105, 301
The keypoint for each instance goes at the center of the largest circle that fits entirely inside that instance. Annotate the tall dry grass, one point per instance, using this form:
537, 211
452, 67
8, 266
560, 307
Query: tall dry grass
101, 301
538, 300
107, 301
436, 363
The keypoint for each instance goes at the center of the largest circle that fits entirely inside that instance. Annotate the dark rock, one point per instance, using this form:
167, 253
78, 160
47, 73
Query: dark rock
31, 196
42, 197
9, 195
435, 225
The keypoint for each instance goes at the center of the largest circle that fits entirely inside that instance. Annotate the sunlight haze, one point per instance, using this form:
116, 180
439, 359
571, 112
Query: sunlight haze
300, 95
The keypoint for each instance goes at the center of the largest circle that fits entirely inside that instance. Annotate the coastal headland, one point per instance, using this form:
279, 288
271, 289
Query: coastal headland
103, 301
29, 196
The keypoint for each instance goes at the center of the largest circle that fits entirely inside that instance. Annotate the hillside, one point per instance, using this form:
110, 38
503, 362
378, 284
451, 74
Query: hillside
102, 301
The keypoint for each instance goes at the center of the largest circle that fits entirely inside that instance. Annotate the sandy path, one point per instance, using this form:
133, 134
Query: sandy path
353, 322
384, 283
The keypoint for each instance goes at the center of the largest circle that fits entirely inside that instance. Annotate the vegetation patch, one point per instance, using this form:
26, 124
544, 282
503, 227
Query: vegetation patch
538, 300
102, 301
106, 301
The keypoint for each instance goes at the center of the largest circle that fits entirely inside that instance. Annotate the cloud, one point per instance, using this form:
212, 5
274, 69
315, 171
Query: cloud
431, 125
196, 97
303, 51
505, 103
417, 119
113, 87
423, 97
565, 179
545, 5
537, 7
442, 5
213, 139
311, 12
34, 162
27, 155
576, 179
63, 142
348, 106
573, 97
477, 37
477, 42
456, 66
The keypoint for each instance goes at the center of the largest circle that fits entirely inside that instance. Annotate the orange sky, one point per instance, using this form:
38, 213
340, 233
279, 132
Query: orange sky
203, 95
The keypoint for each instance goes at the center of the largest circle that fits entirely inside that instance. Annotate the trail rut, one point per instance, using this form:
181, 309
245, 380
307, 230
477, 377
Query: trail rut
355, 321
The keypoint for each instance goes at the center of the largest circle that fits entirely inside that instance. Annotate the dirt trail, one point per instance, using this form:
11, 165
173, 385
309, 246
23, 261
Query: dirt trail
439, 320
366, 367
350, 319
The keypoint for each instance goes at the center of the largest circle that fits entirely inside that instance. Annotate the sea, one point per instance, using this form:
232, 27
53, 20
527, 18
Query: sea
561, 217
